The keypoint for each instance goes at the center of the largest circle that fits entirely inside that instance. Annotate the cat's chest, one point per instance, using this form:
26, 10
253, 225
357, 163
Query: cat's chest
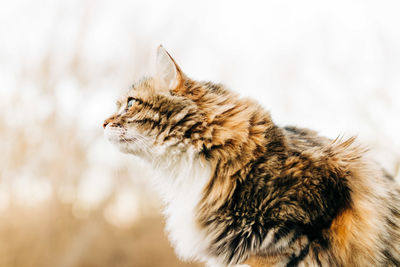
183, 231
181, 195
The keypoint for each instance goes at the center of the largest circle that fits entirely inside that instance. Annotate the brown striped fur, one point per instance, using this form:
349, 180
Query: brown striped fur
275, 196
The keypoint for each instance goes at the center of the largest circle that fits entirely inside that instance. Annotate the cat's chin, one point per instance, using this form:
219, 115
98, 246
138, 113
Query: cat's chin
128, 148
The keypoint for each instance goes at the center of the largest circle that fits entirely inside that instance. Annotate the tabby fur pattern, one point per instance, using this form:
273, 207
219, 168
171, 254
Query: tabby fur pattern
238, 189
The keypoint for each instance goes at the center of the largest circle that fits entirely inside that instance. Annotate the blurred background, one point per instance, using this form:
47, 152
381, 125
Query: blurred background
68, 198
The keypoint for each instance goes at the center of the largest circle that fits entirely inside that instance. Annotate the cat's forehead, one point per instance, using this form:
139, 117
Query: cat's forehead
145, 87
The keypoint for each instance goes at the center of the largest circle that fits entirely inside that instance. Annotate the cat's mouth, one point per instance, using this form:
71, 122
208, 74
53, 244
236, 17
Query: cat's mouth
130, 139
117, 135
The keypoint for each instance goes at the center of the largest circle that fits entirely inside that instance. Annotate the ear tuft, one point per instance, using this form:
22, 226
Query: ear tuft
168, 72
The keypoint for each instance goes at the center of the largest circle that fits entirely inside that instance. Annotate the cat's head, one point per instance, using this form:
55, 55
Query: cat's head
169, 115
158, 116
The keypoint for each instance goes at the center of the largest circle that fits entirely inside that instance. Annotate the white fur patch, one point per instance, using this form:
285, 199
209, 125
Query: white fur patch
180, 182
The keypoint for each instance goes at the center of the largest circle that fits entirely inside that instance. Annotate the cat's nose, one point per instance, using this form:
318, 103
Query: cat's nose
106, 122
111, 120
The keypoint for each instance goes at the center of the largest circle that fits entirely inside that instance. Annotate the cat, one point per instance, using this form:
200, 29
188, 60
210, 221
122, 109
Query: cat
240, 190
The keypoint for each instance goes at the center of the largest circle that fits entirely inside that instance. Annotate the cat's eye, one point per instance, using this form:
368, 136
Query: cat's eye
130, 102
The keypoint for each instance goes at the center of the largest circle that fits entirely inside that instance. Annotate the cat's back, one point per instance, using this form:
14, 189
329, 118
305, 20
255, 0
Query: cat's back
366, 230
301, 139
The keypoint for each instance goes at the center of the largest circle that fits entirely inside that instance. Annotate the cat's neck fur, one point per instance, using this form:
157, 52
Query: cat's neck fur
180, 180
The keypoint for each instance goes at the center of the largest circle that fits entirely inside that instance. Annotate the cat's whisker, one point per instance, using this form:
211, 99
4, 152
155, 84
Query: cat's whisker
123, 139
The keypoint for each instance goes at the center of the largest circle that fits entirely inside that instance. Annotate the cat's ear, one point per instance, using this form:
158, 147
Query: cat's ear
168, 72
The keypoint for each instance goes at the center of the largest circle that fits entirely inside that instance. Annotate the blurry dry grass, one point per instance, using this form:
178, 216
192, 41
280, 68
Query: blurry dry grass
50, 235
52, 232
43, 222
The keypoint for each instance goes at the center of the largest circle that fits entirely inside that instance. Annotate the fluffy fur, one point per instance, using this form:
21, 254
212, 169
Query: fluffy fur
238, 189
